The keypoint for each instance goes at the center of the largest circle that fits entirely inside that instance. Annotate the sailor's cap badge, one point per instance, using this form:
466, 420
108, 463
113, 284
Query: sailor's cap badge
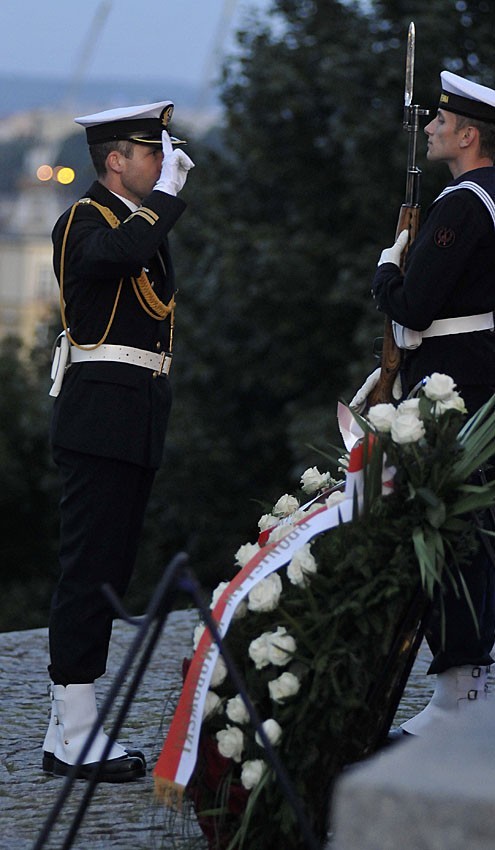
166, 115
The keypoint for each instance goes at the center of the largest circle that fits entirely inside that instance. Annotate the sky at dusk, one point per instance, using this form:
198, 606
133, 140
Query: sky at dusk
135, 39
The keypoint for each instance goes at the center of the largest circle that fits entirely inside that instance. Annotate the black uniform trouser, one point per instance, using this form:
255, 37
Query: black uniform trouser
101, 516
464, 643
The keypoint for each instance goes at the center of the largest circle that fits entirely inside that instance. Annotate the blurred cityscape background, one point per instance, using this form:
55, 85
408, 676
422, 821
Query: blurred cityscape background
294, 121
44, 164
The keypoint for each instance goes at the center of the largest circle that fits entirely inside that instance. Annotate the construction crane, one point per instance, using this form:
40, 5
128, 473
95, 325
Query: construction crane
215, 54
87, 51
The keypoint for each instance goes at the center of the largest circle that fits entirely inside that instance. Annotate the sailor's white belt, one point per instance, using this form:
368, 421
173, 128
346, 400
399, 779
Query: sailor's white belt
159, 363
460, 325
408, 339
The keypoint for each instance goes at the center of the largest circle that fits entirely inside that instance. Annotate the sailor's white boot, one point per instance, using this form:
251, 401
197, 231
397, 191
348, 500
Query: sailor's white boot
459, 689
50, 737
73, 715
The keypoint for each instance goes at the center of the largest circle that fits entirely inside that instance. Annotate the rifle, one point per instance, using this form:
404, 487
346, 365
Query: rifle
408, 220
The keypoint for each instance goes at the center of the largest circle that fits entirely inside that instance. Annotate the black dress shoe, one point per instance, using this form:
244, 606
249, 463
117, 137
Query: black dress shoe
129, 767
123, 769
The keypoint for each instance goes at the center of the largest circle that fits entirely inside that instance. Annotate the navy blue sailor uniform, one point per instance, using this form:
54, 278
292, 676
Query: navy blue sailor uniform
109, 420
450, 273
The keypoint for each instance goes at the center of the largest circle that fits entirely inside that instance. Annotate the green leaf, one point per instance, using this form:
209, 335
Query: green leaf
428, 496
426, 546
436, 516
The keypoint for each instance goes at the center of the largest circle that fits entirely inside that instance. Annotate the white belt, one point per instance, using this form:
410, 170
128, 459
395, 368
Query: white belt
460, 325
159, 363
408, 339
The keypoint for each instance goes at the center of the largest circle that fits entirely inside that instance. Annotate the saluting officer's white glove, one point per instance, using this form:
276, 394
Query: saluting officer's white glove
175, 166
359, 400
393, 254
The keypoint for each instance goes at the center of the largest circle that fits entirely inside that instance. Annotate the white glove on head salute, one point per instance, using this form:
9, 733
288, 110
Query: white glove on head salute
393, 254
175, 166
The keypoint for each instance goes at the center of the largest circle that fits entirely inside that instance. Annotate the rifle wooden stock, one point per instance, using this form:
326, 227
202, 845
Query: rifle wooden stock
391, 354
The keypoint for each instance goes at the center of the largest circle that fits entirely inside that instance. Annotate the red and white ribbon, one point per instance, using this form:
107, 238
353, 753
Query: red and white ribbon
178, 757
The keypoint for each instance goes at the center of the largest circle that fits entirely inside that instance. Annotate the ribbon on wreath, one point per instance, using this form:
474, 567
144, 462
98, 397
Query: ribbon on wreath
177, 760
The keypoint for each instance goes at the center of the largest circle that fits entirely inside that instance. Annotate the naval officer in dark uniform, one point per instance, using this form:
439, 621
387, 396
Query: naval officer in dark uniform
442, 311
113, 398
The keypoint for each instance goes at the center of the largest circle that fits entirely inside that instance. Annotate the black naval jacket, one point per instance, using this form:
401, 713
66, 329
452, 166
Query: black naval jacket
106, 409
450, 271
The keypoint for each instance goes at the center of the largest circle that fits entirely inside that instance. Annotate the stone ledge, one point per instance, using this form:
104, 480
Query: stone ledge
423, 794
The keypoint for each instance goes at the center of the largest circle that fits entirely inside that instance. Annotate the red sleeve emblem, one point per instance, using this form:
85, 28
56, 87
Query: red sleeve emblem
444, 237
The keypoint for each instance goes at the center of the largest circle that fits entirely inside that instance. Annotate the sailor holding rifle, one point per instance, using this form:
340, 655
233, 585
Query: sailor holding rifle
441, 306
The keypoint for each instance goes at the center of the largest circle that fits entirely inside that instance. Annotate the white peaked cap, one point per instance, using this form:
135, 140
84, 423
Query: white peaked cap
467, 98
143, 124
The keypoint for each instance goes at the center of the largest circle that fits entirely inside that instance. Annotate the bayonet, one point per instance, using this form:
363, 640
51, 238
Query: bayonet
412, 113
408, 220
409, 87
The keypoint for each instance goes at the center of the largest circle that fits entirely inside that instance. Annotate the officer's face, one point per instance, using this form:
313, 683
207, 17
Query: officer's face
443, 137
140, 173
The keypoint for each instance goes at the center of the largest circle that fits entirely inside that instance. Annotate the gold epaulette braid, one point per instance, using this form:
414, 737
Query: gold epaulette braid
143, 290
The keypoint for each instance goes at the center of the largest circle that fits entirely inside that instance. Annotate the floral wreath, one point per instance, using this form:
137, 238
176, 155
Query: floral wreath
316, 640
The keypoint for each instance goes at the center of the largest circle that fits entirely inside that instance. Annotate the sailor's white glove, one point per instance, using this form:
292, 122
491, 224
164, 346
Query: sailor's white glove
359, 400
175, 166
393, 254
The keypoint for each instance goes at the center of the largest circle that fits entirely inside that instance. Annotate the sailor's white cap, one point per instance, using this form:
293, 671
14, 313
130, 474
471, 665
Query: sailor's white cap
467, 98
142, 124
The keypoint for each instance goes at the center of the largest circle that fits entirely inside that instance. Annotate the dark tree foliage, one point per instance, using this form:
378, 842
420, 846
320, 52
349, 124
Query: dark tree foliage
28, 514
276, 252
12, 154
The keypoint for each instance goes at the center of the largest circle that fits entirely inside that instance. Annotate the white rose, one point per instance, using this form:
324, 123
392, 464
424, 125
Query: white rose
245, 553
407, 428
212, 704
266, 522
381, 416
273, 732
265, 595
218, 592
455, 402
313, 480
219, 672
295, 517
334, 499
281, 647
287, 685
198, 634
286, 506
236, 710
230, 743
302, 564
438, 387
258, 651
251, 773
410, 404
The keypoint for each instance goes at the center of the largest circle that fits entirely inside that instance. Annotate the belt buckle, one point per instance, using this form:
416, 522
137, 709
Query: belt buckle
165, 363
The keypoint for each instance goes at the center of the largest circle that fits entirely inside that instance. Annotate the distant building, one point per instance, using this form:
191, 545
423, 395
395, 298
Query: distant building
28, 288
